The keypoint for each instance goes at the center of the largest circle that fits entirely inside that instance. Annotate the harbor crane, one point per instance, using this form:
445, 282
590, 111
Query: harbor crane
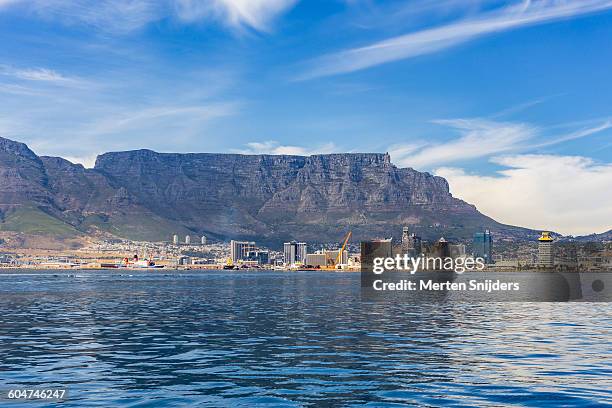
333, 263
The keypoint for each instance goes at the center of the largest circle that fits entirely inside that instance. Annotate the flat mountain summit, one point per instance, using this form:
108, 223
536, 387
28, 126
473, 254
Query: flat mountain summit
146, 195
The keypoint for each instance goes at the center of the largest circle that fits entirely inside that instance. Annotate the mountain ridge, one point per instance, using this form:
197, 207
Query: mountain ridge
143, 194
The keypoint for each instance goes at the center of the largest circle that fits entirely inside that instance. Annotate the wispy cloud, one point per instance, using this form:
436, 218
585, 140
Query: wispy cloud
255, 14
115, 114
155, 118
16, 89
107, 15
519, 108
35, 74
273, 147
568, 194
435, 39
481, 138
123, 16
578, 134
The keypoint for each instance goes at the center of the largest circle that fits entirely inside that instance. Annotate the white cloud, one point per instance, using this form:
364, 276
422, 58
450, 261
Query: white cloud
480, 138
80, 120
106, 15
154, 119
40, 74
438, 38
402, 152
256, 14
88, 161
578, 134
567, 194
127, 15
273, 147
18, 90
35, 74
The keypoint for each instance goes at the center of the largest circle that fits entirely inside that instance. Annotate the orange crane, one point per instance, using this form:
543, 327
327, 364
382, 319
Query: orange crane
338, 259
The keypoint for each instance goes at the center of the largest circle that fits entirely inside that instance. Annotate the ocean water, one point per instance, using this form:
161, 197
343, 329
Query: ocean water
164, 338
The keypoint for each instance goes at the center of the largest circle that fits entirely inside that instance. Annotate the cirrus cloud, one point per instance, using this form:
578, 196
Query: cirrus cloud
35, 74
482, 138
123, 16
434, 39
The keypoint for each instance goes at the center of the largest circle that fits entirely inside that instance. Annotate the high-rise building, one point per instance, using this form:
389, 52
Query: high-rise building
175, 239
416, 244
545, 250
379, 248
203, 240
240, 249
406, 244
288, 253
294, 252
411, 243
482, 246
187, 240
259, 256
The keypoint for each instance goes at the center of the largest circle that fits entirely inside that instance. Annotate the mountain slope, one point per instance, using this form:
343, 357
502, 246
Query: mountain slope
147, 195
604, 236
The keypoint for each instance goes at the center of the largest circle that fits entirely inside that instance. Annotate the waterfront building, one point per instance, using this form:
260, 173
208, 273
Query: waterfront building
294, 252
441, 248
457, 250
416, 243
545, 250
354, 262
406, 244
187, 240
378, 248
184, 260
258, 256
316, 259
175, 239
411, 243
240, 249
333, 255
302, 251
482, 246
278, 261
510, 264
203, 240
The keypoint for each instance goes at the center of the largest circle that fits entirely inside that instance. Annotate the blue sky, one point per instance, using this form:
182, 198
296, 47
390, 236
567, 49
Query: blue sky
510, 101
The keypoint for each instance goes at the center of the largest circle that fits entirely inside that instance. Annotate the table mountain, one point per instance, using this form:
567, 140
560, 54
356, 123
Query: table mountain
270, 198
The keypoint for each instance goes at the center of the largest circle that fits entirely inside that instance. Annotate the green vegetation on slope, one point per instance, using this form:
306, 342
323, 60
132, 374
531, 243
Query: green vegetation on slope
136, 226
32, 220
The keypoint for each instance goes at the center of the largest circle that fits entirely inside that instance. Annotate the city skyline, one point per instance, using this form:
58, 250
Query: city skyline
508, 100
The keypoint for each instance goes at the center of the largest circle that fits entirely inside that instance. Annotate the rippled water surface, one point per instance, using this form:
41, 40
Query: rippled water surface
291, 339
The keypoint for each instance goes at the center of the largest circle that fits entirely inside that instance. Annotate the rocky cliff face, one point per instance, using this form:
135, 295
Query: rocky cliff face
145, 194
22, 175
